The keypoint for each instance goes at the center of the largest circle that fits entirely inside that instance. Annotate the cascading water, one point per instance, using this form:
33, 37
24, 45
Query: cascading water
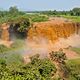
44, 37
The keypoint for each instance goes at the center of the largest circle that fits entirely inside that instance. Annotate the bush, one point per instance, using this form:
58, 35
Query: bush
74, 66
39, 70
3, 48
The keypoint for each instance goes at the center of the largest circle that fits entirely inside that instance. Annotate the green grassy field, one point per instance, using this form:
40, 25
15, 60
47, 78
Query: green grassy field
17, 45
73, 18
77, 50
74, 67
69, 17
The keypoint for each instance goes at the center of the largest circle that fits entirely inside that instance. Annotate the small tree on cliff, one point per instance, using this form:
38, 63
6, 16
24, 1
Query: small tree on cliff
24, 24
59, 58
20, 25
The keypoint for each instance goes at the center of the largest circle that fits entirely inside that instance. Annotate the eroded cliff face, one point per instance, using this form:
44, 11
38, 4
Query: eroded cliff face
53, 30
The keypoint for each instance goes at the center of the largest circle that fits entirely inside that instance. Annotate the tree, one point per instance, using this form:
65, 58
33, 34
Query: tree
44, 66
13, 10
58, 56
58, 59
76, 11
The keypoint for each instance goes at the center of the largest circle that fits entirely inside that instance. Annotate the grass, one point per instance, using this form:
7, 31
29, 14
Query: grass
77, 50
69, 17
37, 17
12, 58
73, 18
74, 61
18, 44
12, 55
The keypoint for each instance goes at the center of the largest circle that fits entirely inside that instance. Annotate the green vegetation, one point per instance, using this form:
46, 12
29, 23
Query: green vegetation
73, 18
3, 48
20, 22
13, 15
77, 50
12, 67
74, 66
73, 14
18, 44
59, 58
37, 69
37, 17
69, 68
